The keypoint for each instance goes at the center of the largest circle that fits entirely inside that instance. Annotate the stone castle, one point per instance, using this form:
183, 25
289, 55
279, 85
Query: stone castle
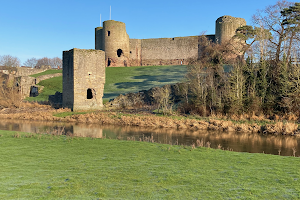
121, 51
84, 70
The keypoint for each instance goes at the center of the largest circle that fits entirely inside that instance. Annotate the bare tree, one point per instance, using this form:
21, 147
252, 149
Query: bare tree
56, 62
53, 62
32, 62
271, 19
9, 61
43, 62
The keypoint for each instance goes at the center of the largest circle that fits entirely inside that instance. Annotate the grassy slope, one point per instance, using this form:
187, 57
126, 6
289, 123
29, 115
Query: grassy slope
51, 86
121, 80
84, 168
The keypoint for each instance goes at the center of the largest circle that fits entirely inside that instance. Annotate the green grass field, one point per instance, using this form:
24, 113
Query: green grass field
121, 80
62, 167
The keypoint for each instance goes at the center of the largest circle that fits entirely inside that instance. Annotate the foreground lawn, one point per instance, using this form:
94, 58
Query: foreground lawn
120, 80
51, 167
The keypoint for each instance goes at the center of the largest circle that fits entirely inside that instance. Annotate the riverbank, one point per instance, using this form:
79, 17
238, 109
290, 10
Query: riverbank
145, 118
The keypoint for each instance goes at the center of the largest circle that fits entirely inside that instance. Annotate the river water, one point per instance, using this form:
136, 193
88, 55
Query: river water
241, 142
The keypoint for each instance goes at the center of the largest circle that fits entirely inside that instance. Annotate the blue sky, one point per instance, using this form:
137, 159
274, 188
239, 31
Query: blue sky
43, 28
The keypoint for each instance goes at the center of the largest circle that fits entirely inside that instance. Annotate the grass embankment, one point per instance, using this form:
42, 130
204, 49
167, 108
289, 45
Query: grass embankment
47, 166
120, 80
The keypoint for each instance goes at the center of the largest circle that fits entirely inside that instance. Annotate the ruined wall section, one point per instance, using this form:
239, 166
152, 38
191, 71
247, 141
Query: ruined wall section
135, 52
26, 71
26, 83
83, 79
169, 51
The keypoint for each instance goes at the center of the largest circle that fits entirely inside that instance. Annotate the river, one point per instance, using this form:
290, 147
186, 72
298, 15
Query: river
240, 142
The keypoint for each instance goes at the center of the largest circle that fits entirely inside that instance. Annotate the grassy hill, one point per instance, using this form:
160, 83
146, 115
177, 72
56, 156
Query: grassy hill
121, 80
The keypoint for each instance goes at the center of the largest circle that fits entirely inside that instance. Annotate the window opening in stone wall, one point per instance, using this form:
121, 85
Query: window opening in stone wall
108, 62
119, 52
172, 38
89, 94
130, 52
108, 33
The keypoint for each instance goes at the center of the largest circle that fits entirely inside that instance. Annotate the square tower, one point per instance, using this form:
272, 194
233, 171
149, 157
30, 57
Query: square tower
83, 79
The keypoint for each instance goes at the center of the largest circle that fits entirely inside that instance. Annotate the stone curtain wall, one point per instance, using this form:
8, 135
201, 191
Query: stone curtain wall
163, 51
112, 37
135, 52
25, 71
83, 79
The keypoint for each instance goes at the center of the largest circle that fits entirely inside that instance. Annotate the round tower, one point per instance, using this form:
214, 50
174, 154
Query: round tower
99, 39
226, 27
114, 41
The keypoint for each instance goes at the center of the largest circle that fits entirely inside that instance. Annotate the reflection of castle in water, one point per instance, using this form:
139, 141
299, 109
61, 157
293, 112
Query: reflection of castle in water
87, 130
242, 142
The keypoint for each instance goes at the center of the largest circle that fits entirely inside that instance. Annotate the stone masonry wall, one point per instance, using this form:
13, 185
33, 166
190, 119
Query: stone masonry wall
135, 52
163, 51
68, 79
83, 79
26, 71
26, 82
226, 27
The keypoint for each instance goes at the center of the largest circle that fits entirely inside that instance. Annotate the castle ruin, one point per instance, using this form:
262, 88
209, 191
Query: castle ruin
121, 51
84, 70
83, 79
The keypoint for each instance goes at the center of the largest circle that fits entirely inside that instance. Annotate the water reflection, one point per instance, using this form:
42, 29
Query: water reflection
242, 142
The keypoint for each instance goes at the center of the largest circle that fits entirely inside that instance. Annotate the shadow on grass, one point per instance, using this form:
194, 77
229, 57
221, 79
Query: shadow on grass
155, 77
111, 95
152, 80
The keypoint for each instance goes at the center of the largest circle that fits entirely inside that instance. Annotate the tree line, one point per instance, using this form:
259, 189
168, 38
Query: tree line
12, 61
261, 75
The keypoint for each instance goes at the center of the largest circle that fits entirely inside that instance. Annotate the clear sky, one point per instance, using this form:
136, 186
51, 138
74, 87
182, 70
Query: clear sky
45, 28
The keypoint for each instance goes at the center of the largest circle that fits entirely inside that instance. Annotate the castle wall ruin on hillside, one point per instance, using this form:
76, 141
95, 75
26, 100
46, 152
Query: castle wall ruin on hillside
121, 51
84, 70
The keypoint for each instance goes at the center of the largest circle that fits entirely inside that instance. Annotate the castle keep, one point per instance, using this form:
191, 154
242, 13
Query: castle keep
83, 79
121, 51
